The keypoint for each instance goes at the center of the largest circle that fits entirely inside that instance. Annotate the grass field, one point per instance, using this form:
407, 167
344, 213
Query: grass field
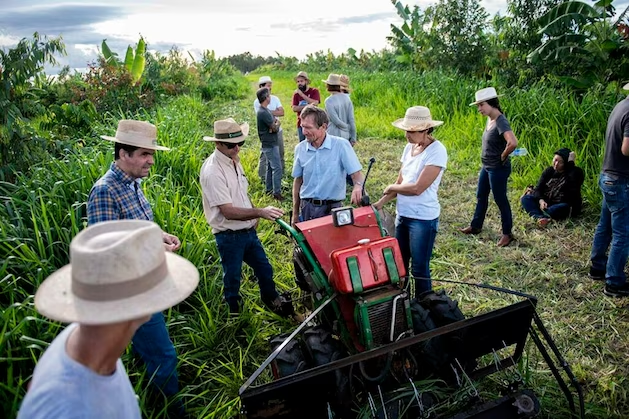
46, 207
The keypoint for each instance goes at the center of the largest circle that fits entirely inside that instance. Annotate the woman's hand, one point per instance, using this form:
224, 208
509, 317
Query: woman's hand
389, 189
543, 205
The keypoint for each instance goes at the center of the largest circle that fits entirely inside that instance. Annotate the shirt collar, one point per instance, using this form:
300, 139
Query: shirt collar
327, 143
122, 176
226, 160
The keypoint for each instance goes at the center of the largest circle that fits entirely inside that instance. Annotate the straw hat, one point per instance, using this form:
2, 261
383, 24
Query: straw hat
626, 86
228, 131
344, 80
264, 80
483, 95
333, 80
302, 74
136, 133
416, 118
118, 271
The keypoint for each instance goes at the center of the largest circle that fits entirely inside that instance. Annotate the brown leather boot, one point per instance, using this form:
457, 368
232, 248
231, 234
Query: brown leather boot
470, 230
505, 240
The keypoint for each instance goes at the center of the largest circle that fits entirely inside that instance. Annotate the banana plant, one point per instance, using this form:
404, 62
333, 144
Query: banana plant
134, 61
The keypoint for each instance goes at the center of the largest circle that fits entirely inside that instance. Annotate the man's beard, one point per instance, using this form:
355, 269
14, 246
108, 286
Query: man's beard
303, 88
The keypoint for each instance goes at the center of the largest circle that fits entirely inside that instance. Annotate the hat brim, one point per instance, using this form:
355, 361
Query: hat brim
302, 77
484, 100
399, 123
328, 82
245, 133
626, 86
55, 300
150, 147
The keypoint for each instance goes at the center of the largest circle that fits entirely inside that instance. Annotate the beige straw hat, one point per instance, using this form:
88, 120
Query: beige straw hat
416, 118
626, 86
136, 133
302, 74
344, 80
118, 271
333, 80
228, 131
483, 95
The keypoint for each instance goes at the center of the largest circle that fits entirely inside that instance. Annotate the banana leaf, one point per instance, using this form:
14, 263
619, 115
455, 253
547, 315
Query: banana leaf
110, 57
139, 61
128, 59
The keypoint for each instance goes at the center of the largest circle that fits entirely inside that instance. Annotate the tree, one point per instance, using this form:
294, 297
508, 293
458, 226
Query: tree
586, 38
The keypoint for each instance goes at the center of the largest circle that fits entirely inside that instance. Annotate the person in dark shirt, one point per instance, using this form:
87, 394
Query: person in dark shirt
557, 195
498, 143
613, 226
268, 127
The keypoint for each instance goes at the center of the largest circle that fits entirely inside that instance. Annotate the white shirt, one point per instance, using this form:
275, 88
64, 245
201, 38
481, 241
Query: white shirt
424, 206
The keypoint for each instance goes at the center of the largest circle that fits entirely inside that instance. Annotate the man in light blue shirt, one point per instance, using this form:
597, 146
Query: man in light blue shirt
321, 165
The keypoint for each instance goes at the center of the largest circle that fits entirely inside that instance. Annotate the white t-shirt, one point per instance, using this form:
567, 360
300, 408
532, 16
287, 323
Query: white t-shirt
424, 206
63, 388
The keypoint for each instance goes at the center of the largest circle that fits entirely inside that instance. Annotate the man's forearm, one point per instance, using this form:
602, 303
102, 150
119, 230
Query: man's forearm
240, 214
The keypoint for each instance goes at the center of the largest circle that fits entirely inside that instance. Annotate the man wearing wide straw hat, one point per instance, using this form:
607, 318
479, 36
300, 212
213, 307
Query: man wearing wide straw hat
119, 275
613, 225
233, 218
118, 196
302, 97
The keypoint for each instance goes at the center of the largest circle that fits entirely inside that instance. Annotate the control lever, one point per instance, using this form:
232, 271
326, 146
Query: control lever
364, 201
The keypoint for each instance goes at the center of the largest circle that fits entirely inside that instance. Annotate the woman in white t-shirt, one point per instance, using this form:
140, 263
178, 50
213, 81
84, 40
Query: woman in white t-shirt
423, 162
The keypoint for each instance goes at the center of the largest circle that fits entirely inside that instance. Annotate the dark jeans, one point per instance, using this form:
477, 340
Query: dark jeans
493, 179
612, 228
300, 134
152, 342
310, 211
530, 203
417, 239
236, 247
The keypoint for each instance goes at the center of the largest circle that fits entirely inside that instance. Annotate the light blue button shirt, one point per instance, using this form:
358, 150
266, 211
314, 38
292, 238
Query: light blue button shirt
324, 169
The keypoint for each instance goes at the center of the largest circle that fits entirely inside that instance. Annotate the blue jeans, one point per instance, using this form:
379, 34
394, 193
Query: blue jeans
263, 164
493, 179
612, 228
417, 239
530, 203
152, 342
236, 247
273, 169
300, 134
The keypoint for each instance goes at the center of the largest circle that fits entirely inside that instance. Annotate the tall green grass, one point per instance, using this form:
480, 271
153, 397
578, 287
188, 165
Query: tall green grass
45, 208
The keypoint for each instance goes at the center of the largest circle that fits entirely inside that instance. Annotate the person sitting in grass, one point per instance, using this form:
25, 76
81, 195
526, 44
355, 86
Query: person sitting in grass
557, 195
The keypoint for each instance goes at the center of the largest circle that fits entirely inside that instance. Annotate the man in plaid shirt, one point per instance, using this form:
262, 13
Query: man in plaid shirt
118, 196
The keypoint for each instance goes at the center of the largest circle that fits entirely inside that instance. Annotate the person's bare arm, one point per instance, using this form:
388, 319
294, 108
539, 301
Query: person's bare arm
512, 143
243, 214
278, 112
357, 193
425, 179
624, 148
297, 182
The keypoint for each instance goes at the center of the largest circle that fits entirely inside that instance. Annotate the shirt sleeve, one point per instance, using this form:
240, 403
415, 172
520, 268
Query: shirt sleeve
295, 99
316, 95
502, 125
540, 188
352, 123
298, 170
332, 111
101, 206
438, 156
215, 189
349, 158
625, 126
278, 102
256, 106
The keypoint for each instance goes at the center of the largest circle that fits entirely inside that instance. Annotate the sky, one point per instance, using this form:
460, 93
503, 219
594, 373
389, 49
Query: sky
228, 27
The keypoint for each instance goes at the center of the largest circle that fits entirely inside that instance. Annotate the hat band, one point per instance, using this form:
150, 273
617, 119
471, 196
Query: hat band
228, 135
120, 290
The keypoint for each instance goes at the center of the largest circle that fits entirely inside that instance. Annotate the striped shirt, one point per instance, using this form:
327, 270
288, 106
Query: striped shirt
117, 196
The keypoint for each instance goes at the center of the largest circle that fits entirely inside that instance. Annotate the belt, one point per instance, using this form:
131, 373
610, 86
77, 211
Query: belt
243, 231
320, 202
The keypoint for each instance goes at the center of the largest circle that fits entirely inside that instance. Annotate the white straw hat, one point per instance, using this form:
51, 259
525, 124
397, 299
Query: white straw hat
333, 80
264, 80
626, 86
136, 133
416, 118
483, 95
229, 131
118, 271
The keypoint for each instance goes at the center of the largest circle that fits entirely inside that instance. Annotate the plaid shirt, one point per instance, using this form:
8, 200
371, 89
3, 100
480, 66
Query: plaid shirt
117, 196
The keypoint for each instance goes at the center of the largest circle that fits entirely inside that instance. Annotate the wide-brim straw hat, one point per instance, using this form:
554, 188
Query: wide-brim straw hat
333, 80
416, 118
265, 80
229, 131
136, 133
483, 95
119, 271
344, 80
626, 86
302, 74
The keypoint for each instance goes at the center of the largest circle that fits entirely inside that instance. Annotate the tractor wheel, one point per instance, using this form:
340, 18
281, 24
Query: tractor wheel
430, 355
290, 360
322, 349
443, 309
